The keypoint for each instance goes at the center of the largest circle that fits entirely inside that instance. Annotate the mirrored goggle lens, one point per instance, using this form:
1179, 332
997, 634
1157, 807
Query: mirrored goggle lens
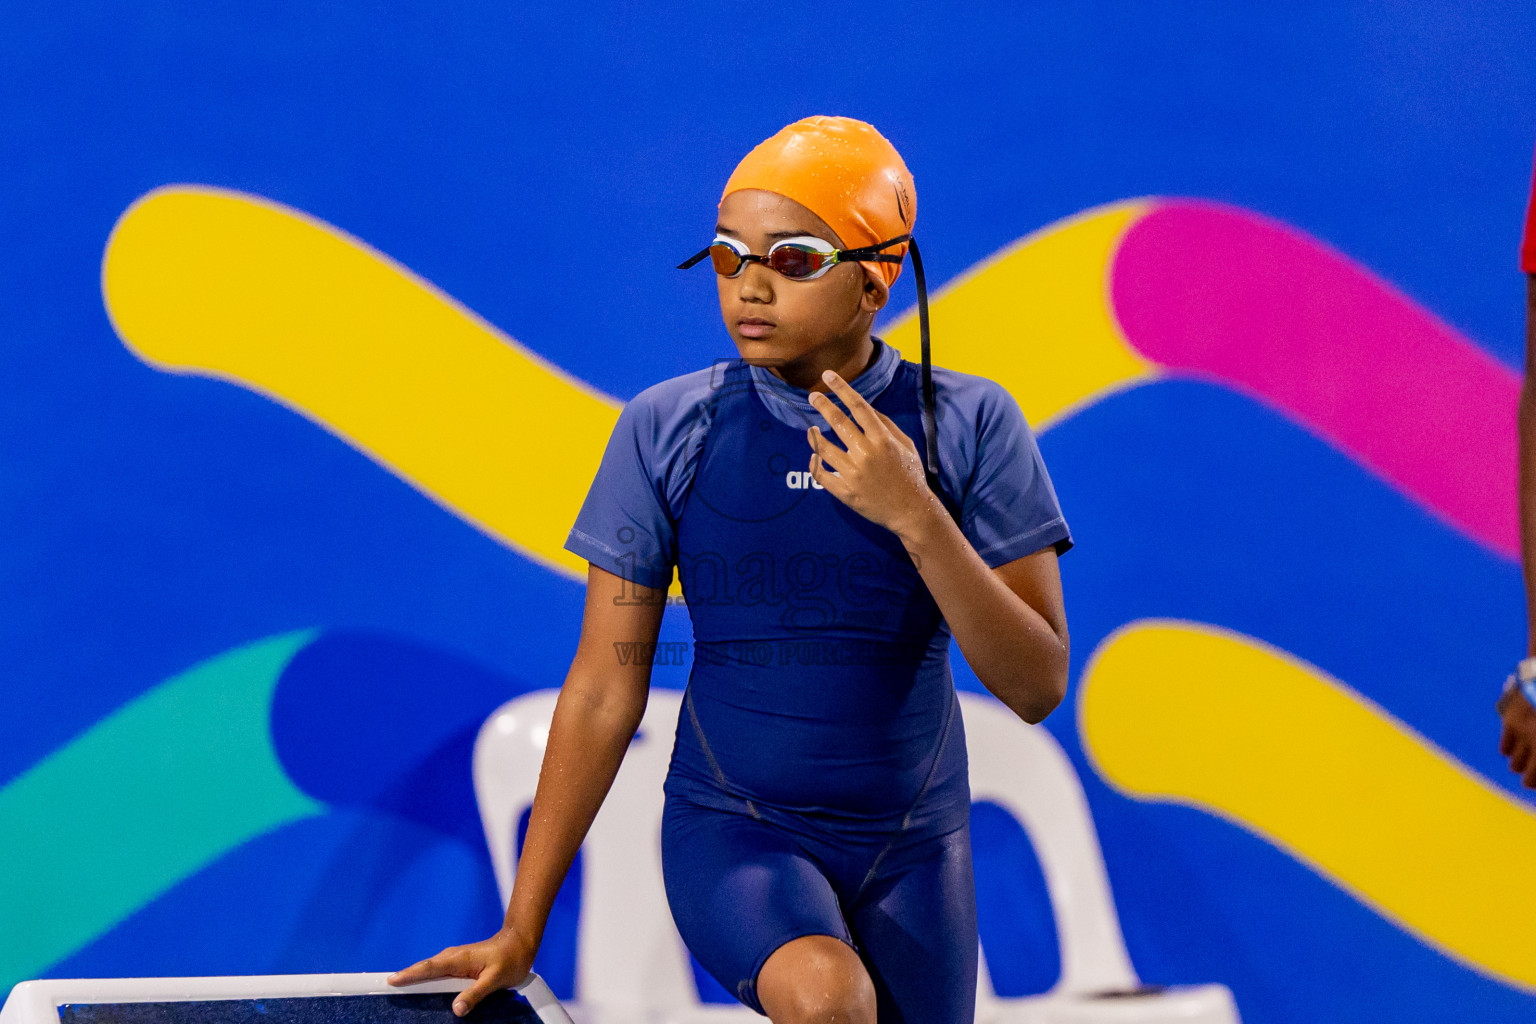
727, 261
798, 261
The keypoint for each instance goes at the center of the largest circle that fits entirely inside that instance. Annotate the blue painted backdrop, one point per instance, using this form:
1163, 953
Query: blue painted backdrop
547, 166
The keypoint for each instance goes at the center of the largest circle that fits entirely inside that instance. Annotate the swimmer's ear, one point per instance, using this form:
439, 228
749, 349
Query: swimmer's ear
876, 292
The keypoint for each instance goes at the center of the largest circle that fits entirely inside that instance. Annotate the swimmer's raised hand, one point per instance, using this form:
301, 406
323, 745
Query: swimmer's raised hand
500, 961
880, 475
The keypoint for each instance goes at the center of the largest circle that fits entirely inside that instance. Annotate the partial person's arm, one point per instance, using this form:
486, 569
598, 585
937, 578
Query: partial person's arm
598, 711
1528, 464
1010, 622
1518, 740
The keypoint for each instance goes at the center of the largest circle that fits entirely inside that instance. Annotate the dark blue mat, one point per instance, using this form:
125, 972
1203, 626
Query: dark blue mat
417, 1008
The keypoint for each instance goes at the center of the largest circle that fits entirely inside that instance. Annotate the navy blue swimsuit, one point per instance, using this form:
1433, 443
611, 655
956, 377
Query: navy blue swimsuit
818, 783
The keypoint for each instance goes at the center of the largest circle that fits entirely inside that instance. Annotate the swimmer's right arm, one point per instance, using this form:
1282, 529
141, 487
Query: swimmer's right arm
596, 716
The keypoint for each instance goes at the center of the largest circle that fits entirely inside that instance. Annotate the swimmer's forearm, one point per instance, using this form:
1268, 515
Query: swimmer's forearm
589, 733
1013, 649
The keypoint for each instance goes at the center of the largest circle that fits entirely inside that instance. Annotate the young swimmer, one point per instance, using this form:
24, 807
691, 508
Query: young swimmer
815, 837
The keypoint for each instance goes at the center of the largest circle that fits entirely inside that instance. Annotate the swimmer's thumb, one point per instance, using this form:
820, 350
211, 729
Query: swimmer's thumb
469, 998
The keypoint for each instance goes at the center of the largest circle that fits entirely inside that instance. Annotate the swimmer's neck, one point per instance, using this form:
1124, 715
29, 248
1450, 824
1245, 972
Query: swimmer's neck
847, 359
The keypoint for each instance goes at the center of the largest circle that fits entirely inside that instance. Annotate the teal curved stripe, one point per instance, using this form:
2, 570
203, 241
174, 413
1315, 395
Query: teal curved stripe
141, 800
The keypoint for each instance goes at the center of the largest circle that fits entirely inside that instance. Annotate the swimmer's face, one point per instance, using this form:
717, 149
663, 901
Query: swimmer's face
775, 320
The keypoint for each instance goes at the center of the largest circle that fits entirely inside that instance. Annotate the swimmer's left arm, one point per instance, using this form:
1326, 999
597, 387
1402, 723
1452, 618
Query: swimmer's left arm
1010, 622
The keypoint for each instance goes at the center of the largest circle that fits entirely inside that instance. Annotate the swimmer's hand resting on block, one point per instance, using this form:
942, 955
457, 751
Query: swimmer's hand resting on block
596, 716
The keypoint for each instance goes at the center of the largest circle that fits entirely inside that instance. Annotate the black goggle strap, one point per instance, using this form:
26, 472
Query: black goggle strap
702, 254
872, 253
930, 426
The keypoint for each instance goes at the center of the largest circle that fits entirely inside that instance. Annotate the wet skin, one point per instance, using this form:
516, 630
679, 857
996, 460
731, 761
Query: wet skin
1008, 621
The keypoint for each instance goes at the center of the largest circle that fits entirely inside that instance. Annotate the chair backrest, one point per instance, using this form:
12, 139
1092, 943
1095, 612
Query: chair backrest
1021, 768
629, 955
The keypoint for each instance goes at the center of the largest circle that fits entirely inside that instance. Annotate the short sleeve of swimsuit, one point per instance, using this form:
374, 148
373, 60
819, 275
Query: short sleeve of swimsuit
1009, 508
987, 453
1528, 242
628, 521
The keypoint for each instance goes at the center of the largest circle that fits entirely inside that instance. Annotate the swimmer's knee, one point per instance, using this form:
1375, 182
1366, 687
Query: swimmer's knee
816, 979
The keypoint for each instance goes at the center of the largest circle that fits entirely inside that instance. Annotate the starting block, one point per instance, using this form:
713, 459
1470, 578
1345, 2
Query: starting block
272, 999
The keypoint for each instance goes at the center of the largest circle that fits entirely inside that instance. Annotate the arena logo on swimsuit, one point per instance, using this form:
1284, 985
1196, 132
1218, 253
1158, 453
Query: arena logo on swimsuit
799, 480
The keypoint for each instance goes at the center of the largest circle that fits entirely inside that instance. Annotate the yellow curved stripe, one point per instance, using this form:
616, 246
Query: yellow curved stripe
228, 285
1036, 317
234, 286
1192, 714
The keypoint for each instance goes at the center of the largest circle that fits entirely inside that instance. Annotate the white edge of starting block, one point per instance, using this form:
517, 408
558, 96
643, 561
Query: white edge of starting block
38, 1002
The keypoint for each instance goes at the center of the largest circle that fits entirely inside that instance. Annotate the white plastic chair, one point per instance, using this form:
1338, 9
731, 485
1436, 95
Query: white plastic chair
1021, 768
631, 965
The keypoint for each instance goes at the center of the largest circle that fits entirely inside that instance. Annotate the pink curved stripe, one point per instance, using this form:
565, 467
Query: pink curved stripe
1223, 292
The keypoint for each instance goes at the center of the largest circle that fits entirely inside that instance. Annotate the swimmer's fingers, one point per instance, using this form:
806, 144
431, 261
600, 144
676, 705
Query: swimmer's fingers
499, 962
1509, 739
864, 414
1518, 741
450, 963
1520, 760
822, 472
847, 429
821, 448
897, 433
492, 977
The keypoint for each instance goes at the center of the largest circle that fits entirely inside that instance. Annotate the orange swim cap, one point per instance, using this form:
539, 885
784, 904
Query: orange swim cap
843, 171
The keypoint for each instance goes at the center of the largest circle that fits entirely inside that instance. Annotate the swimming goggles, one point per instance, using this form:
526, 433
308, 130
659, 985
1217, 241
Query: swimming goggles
805, 258
801, 258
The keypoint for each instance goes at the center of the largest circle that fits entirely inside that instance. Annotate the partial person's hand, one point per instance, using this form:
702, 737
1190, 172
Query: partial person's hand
880, 476
500, 961
1518, 742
